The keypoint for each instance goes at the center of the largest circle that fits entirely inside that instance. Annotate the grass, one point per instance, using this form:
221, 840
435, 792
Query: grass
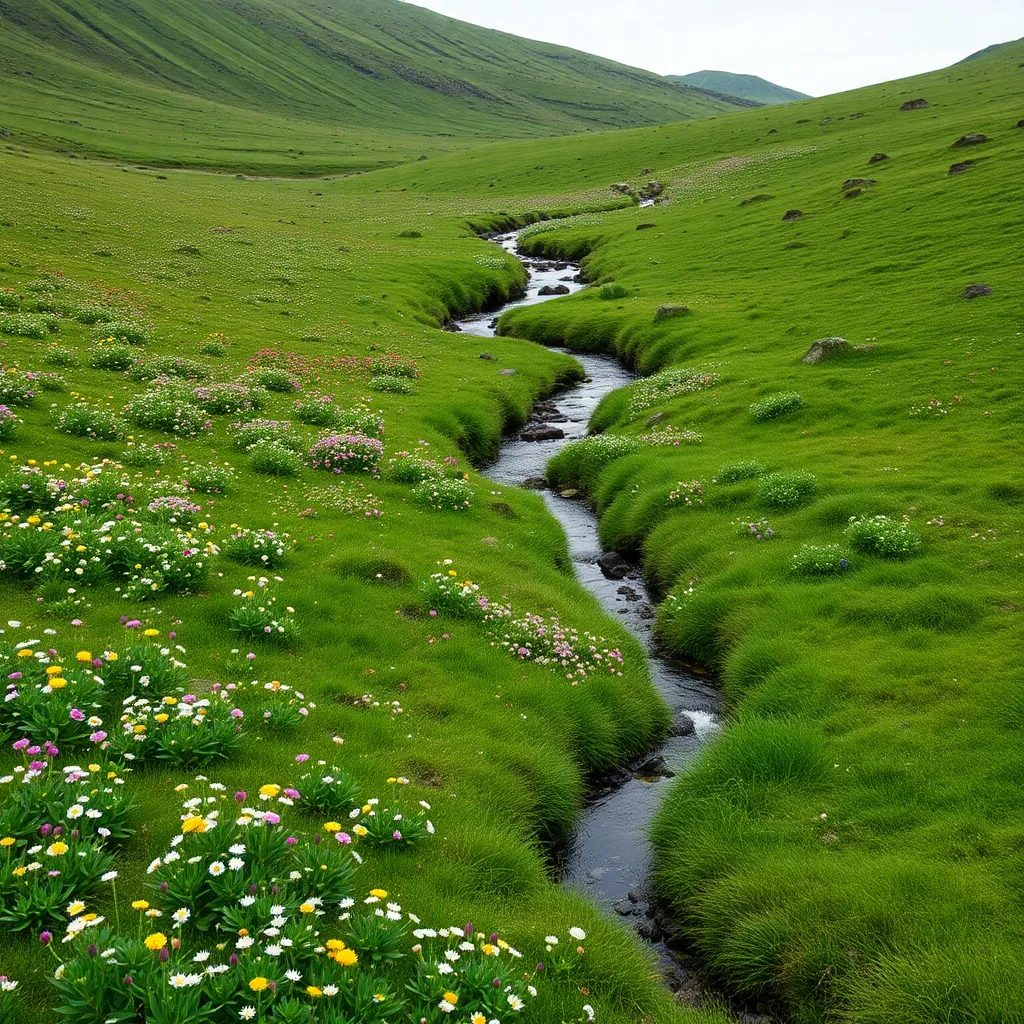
302, 88
850, 848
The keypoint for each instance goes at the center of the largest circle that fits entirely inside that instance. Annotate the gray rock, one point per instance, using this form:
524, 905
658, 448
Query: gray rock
486, 355
964, 165
557, 289
671, 311
655, 418
759, 198
917, 104
878, 158
649, 931
542, 432
506, 373
569, 492
858, 183
976, 291
683, 726
971, 139
614, 566
827, 348
655, 767
536, 483
791, 215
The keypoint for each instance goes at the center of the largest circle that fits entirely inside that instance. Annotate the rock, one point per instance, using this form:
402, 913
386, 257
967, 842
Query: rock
569, 492
976, 291
646, 612
655, 767
655, 418
645, 227
536, 483
759, 198
878, 158
1020, 123
649, 931
614, 566
486, 355
683, 726
652, 190
506, 373
827, 348
914, 104
959, 168
773, 131
623, 909
971, 139
858, 183
791, 215
646, 171
622, 187
668, 312
859, 113
451, 327
557, 289
489, 541
825, 121
542, 432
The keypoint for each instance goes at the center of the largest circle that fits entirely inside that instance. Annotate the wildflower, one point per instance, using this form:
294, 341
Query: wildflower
381, 894
258, 984
193, 824
247, 1012
84, 656
156, 941
57, 849
514, 1001
140, 905
313, 992
578, 933
216, 868
181, 915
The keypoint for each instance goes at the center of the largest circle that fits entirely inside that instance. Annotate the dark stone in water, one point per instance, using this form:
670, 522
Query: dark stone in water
542, 432
536, 483
558, 289
654, 767
614, 566
569, 492
683, 726
645, 611
451, 326
649, 931
976, 291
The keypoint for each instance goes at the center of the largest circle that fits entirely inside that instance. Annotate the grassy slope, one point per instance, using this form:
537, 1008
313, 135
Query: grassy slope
499, 749
300, 86
851, 846
748, 87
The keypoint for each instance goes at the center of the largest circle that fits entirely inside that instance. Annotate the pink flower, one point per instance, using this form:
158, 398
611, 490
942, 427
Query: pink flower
76, 715
301, 757
98, 737
343, 837
396, 834
271, 818
237, 713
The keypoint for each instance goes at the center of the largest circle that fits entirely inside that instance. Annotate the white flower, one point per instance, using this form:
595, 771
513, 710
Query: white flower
330, 990
247, 901
216, 868
247, 1012
578, 933
589, 1011
235, 864
184, 980
445, 1007
237, 849
551, 940
293, 975
244, 942
181, 915
443, 968
108, 877
201, 957
450, 954
274, 950
75, 811
514, 1001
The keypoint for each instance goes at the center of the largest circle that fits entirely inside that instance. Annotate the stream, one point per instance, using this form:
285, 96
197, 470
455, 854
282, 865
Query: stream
609, 857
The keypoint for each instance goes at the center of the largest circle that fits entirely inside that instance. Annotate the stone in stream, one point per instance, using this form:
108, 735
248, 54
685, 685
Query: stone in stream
542, 432
614, 566
683, 726
569, 492
654, 768
535, 483
558, 289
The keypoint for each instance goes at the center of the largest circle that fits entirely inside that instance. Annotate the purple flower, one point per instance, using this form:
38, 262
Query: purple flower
237, 713
20, 744
45, 938
396, 834
98, 737
343, 837
271, 818
240, 796
301, 757
291, 841
76, 715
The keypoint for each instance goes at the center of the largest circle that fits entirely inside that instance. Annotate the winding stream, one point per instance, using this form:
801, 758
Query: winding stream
609, 857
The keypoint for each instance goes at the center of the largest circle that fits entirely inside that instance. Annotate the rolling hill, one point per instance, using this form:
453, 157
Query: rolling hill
748, 87
310, 85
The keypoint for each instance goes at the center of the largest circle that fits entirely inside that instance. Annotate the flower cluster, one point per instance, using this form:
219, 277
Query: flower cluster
258, 547
661, 387
756, 528
346, 453
443, 494
882, 536
687, 492
255, 616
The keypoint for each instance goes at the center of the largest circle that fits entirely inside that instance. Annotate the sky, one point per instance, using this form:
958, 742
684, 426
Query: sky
814, 46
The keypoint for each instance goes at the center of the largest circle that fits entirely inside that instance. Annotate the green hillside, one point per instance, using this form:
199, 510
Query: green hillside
293, 86
748, 87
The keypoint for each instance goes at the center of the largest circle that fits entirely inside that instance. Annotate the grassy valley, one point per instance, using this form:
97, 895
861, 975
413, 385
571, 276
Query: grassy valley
749, 87
245, 488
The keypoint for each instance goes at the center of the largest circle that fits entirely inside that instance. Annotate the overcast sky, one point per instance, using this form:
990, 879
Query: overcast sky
815, 46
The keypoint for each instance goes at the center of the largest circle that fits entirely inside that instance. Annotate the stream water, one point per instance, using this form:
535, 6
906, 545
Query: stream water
609, 856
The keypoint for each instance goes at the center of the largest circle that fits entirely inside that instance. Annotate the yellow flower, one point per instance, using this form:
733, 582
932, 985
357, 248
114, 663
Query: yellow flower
53, 670
24, 653
18, 872
156, 941
84, 656
381, 894
140, 905
478, 1018
314, 992
258, 984
488, 950
193, 824
56, 683
8, 841
162, 717
451, 997
332, 826
360, 830
306, 908
151, 632
111, 655
139, 728
74, 909
80, 548
345, 957
367, 808
269, 790
170, 700
57, 849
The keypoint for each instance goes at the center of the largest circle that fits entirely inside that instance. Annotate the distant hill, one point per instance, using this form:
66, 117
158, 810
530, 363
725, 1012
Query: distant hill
748, 87
985, 52
328, 84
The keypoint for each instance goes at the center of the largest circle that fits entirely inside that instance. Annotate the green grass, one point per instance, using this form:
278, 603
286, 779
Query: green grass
299, 87
748, 87
887, 698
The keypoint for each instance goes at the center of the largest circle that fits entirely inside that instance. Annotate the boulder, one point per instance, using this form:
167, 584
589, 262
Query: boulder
536, 483
858, 183
622, 187
652, 190
569, 492
1020, 123
506, 373
827, 348
759, 198
971, 139
451, 327
914, 104
976, 291
964, 165
683, 726
486, 355
791, 215
557, 289
668, 312
542, 432
825, 121
614, 566
654, 767
878, 158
